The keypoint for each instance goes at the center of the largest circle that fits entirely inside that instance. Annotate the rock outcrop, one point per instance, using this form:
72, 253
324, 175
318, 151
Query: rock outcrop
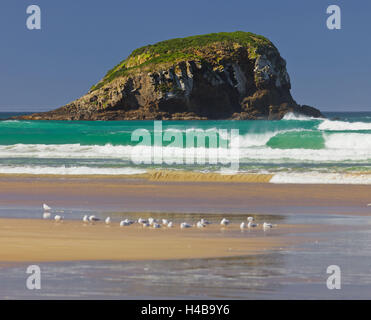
235, 75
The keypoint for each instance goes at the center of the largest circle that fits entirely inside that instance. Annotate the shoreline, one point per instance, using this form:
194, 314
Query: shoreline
154, 175
167, 175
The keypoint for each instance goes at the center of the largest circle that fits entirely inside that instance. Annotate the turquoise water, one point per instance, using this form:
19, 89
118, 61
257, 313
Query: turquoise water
295, 145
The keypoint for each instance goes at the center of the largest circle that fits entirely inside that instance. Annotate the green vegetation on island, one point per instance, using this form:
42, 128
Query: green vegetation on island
177, 49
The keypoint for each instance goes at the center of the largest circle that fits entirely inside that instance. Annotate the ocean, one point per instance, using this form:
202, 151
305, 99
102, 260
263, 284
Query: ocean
296, 149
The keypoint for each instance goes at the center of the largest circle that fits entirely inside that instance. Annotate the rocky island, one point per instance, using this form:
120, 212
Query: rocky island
237, 75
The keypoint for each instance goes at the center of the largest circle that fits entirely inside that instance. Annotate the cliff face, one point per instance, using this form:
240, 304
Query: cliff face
235, 75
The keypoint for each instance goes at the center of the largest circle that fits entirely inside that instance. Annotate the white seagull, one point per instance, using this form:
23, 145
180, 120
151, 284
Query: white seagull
251, 225
93, 218
151, 220
85, 218
224, 222
124, 223
46, 207
200, 225
170, 224
46, 215
141, 220
165, 222
250, 219
184, 225
58, 218
243, 225
108, 220
129, 221
267, 225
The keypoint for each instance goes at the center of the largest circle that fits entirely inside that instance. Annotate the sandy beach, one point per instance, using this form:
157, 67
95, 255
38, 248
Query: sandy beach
323, 221
133, 193
39, 241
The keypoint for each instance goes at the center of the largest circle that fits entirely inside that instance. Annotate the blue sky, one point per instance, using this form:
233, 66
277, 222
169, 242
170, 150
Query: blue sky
80, 40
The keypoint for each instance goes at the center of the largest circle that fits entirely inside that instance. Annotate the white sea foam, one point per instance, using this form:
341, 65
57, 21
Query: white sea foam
62, 170
64, 151
294, 116
256, 139
338, 147
304, 155
261, 139
349, 140
332, 125
321, 178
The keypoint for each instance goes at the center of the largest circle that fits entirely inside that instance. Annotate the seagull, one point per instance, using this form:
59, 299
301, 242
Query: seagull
184, 225
46, 207
46, 215
200, 225
129, 222
170, 224
156, 225
165, 221
85, 218
243, 225
108, 220
267, 225
58, 218
250, 219
146, 225
93, 219
204, 221
140, 220
151, 220
224, 222
124, 223
251, 225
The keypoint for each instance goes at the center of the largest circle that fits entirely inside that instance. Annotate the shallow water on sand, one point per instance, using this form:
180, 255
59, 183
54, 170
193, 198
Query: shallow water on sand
292, 272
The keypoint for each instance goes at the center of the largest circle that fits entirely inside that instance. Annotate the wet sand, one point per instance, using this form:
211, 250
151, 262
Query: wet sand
23, 240
77, 255
39, 240
127, 194
74, 255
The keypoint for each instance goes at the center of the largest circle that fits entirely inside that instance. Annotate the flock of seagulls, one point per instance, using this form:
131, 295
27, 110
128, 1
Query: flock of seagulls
252, 224
47, 214
156, 224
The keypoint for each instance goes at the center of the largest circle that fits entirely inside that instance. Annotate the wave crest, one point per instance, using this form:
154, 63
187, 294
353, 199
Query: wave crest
331, 125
